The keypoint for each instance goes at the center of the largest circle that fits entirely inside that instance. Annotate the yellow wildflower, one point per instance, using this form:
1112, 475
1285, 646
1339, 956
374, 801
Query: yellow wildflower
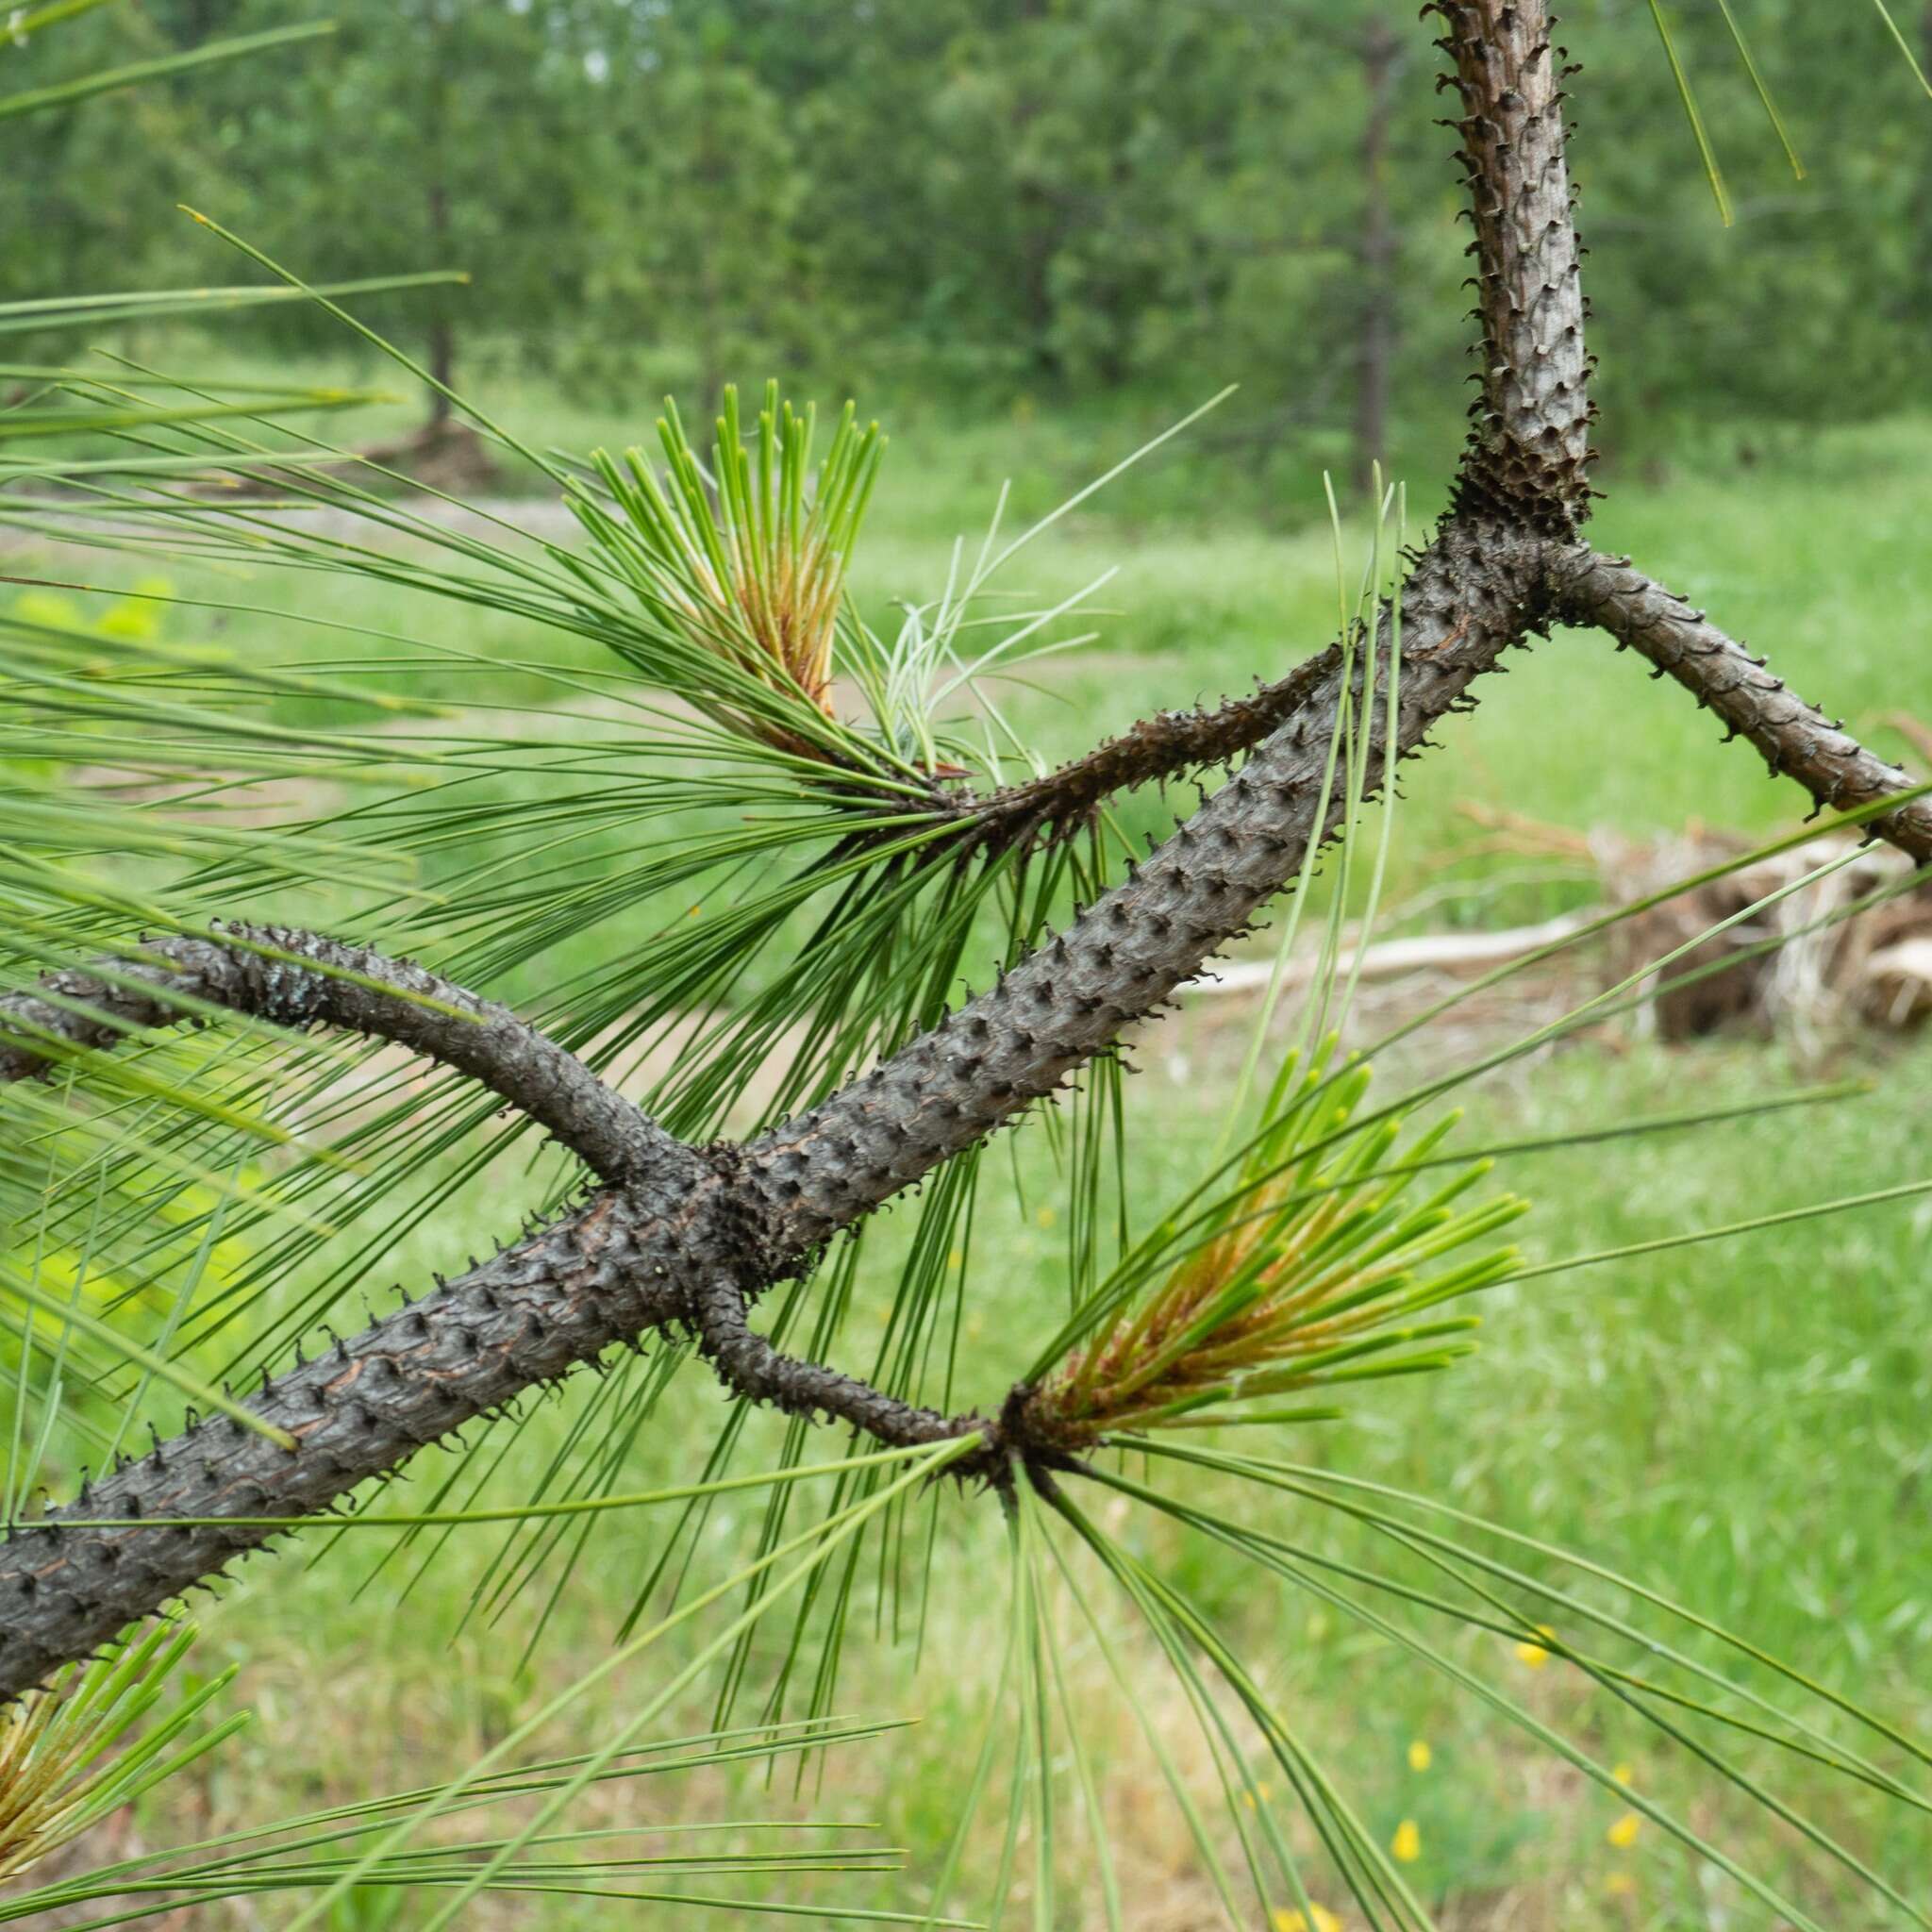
1534, 1654
1622, 1774
1407, 1843
1620, 1884
1623, 1834
1046, 1217
1420, 1755
1286, 1920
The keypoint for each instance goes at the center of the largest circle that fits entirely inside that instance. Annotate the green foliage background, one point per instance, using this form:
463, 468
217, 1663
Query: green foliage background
1042, 199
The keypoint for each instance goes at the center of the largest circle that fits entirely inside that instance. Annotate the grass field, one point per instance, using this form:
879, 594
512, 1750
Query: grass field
1739, 1424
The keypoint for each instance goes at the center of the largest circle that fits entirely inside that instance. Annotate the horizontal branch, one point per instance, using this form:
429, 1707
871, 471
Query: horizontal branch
754, 1369
1171, 745
358, 1411
295, 979
1796, 739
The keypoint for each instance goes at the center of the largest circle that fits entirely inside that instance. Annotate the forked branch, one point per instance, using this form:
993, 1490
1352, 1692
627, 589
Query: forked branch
691, 1241
680, 1240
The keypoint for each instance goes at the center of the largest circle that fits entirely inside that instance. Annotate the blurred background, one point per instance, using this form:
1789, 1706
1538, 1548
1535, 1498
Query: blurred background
1078, 213
1029, 235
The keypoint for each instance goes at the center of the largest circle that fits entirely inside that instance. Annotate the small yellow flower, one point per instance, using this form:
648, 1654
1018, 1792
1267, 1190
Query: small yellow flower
1623, 1834
1620, 1884
1534, 1654
1420, 1755
1046, 1217
1622, 1774
1260, 1790
957, 1259
1407, 1843
1286, 1920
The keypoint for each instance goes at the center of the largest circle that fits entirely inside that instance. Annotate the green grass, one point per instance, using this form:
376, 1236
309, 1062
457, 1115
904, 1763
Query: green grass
1740, 1425
1810, 553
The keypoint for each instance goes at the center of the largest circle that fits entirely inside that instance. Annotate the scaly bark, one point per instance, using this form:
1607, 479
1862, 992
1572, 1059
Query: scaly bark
1169, 744
683, 1240
719, 1311
1475, 592
361, 1409
294, 978
1529, 454
1796, 738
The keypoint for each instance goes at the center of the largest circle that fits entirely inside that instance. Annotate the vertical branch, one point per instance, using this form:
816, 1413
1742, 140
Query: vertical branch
1529, 451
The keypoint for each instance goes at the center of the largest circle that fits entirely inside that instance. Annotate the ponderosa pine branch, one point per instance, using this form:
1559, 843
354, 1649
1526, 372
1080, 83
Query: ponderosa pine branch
652, 1254
1796, 739
294, 978
1529, 454
360, 1410
688, 1239
633, 1259
1470, 596
719, 1313
1169, 744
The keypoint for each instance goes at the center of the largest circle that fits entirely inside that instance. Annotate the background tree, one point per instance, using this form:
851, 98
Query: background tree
435, 134
1075, 200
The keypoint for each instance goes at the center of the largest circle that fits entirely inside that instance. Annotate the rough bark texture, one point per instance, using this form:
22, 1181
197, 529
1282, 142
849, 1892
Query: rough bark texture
1529, 443
1796, 738
1168, 746
361, 1409
1470, 596
759, 1373
297, 978
683, 1240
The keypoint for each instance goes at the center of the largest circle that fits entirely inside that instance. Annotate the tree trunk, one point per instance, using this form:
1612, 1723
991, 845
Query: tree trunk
443, 327
1376, 258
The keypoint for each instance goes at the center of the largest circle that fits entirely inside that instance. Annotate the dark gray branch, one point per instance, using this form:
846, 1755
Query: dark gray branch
360, 1410
1171, 745
1471, 594
300, 979
690, 1240
1529, 444
1796, 738
754, 1369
